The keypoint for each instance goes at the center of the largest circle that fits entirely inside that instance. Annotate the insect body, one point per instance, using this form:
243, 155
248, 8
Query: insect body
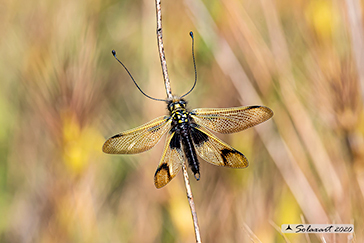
181, 127
188, 135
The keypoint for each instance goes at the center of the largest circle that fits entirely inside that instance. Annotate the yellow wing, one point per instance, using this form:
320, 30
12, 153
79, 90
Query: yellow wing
215, 151
171, 162
229, 120
138, 139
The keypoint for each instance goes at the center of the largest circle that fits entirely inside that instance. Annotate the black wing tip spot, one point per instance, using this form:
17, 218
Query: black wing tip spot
159, 176
116, 136
164, 167
225, 154
267, 109
226, 151
254, 107
197, 176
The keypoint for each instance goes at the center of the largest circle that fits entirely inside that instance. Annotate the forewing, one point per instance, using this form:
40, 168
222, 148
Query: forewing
171, 161
215, 151
229, 120
138, 139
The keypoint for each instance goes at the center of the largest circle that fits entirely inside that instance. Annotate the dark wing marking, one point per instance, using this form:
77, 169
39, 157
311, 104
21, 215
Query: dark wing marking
229, 120
138, 139
215, 151
171, 162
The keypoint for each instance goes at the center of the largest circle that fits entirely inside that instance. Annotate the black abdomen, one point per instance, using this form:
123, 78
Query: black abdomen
189, 149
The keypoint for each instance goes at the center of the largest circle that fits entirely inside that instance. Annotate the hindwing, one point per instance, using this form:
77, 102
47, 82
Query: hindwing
171, 161
215, 151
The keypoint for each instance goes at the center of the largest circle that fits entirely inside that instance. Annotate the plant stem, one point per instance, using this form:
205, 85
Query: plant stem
191, 202
162, 56
167, 84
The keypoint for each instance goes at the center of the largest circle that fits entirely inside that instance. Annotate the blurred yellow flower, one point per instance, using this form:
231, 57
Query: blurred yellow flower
80, 144
322, 17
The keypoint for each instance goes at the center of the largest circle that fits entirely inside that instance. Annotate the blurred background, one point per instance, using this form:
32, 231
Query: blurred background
62, 94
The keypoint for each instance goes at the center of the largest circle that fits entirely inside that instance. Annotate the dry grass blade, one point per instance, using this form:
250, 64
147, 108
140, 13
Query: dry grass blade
292, 174
276, 227
355, 16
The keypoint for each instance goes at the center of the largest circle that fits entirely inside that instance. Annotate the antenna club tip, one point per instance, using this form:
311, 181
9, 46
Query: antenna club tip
191, 34
113, 52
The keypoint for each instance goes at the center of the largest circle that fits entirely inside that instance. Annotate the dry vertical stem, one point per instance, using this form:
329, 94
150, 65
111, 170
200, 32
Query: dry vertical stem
169, 96
162, 56
191, 202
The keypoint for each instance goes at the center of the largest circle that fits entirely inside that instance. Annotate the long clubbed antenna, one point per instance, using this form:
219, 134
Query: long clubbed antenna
194, 64
131, 76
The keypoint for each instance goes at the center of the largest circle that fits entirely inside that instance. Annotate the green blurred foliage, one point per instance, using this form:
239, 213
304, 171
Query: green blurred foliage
63, 94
